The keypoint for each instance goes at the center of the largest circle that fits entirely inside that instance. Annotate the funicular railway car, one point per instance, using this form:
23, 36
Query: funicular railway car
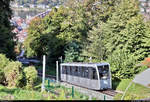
96, 76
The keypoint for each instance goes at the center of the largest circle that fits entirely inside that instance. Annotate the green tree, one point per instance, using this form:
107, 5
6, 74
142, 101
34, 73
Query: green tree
43, 35
33, 44
14, 74
94, 46
6, 36
30, 76
111, 30
3, 63
101, 12
126, 37
72, 52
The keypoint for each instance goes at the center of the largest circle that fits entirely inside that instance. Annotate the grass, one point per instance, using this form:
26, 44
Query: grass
19, 94
36, 94
135, 91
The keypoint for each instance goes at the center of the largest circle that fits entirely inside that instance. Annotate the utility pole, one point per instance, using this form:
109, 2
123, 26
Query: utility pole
43, 78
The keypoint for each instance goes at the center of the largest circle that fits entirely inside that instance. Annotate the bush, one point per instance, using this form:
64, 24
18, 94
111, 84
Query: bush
123, 65
31, 76
3, 62
13, 74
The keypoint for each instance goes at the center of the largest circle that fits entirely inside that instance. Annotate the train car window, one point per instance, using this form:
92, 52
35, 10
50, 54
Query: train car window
86, 73
64, 70
80, 72
70, 70
95, 77
103, 71
76, 71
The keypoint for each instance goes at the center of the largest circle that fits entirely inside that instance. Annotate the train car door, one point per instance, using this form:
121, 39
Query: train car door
104, 76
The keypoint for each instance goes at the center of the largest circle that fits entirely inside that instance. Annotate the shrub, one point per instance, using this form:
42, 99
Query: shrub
13, 74
123, 65
3, 62
31, 76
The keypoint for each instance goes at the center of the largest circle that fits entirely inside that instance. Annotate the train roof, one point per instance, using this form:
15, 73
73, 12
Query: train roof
84, 64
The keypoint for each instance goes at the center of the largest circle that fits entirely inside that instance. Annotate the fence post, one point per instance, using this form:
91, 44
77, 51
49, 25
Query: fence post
72, 91
48, 84
57, 73
104, 97
90, 97
43, 78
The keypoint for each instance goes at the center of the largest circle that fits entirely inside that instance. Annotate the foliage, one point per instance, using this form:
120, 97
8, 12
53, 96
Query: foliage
32, 43
122, 64
50, 34
126, 43
111, 30
6, 40
136, 38
134, 41
3, 63
94, 46
13, 74
72, 53
20, 94
30, 76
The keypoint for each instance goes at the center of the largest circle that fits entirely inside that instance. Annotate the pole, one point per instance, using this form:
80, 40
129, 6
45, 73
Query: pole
57, 73
104, 97
72, 91
43, 78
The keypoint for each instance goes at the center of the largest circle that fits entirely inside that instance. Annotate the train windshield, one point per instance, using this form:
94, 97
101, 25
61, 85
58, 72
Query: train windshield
103, 71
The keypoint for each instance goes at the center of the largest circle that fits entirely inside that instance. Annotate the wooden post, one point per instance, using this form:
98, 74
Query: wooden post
43, 78
57, 71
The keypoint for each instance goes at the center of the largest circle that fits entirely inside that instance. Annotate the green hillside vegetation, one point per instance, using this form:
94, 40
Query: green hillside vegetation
135, 91
110, 31
114, 32
36, 94
6, 36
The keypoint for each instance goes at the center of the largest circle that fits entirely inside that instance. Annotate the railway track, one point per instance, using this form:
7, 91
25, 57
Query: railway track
107, 92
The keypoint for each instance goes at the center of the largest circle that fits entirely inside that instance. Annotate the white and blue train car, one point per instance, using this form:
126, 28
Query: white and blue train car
96, 76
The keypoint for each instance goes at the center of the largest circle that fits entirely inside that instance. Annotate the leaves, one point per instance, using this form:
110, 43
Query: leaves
6, 36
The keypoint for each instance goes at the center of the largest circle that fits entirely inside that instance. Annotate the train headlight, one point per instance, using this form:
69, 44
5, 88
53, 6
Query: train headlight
105, 76
105, 82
